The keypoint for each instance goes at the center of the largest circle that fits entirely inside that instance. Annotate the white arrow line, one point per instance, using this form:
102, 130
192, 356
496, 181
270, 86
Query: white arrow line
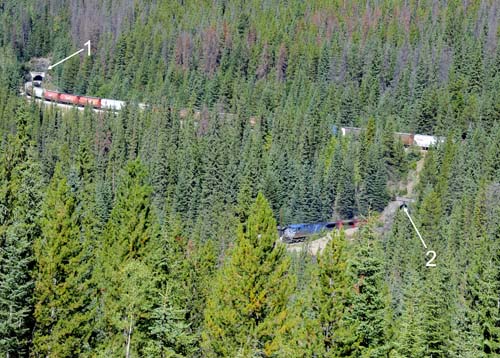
409, 217
76, 53
88, 44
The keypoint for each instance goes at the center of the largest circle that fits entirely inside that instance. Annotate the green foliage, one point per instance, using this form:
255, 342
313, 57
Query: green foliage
19, 226
247, 309
369, 312
333, 299
60, 310
138, 227
125, 268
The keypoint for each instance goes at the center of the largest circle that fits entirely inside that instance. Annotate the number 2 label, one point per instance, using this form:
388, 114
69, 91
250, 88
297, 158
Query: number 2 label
433, 256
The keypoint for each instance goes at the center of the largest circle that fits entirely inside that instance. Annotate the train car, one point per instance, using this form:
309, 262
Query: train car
112, 104
51, 96
89, 101
69, 98
407, 138
298, 232
351, 130
425, 141
37, 92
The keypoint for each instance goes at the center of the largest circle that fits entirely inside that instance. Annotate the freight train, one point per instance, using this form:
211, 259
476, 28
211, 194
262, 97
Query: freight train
83, 101
408, 139
299, 232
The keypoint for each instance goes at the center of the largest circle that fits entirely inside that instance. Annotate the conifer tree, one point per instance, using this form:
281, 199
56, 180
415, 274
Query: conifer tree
410, 340
373, 193
333, 298
60, 307
124, 272
247, 309
346, 197
20, 197
370, 309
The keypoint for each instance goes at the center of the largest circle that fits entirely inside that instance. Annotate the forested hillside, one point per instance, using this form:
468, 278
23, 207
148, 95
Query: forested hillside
152, 232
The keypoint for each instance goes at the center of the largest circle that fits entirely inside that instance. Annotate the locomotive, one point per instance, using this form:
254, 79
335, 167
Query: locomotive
299, 232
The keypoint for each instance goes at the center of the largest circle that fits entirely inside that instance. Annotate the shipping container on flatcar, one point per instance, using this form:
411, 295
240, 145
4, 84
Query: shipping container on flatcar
51, 95
425, 141
37, 92
351, 130
89, 101
112, 104
68, 98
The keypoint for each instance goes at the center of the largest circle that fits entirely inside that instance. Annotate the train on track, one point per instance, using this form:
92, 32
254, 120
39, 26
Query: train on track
299, 232
34, 90
408, 139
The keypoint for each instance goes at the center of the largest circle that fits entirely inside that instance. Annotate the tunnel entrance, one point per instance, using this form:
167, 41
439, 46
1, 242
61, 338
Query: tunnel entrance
37, 78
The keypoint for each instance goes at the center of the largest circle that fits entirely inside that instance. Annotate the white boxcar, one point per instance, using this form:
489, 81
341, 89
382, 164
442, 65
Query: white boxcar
425, 141
37, 92
112, 104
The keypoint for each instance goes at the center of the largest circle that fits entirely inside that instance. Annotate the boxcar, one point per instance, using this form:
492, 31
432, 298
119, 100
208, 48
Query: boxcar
68, 98
51, 96
112, 104
407, 138
89, 101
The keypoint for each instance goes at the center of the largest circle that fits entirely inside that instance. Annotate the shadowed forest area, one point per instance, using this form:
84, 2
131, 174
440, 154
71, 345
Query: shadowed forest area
153, 232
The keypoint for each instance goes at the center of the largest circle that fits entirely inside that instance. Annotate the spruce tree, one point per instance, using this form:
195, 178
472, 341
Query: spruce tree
125, 267
333, 297
346, 198
247, 311
60, 306
20, 197
370, 307
373, 193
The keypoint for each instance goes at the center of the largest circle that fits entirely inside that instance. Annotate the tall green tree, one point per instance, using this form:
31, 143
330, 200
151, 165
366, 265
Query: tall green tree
60, 309
124, 273
370, 309
20, 198
247, 310
333, 298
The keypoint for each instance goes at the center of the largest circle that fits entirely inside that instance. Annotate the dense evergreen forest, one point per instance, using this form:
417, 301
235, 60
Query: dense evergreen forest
153, 233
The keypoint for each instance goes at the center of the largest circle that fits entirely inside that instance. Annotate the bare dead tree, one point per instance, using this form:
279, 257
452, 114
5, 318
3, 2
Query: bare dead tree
184, 50
228, 38
445, 62
401, 63
282, 63
210, 50
265, 63
332, 25
252, 36
492, 37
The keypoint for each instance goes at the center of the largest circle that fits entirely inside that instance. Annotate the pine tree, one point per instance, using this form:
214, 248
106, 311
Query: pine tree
346, 197
373, 193
169, 326
20, 197
124, 272
60, 306
70, 75
247, 309
370, 308
333, 297
410, 341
